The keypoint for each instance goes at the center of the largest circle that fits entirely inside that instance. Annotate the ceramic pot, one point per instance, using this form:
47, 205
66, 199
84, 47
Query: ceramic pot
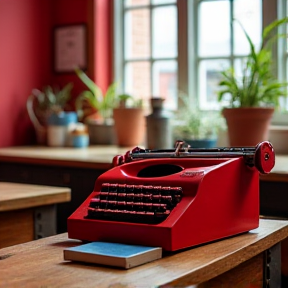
129, 126
247, 126
58, 128
159, 130
100, 133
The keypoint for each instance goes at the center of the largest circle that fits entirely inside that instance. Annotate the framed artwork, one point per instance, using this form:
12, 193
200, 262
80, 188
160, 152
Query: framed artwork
70, 48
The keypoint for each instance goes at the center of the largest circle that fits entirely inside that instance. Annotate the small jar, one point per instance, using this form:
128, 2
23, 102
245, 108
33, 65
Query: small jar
79, 136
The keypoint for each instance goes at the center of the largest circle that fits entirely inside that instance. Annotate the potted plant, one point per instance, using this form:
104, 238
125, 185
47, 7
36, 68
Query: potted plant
41, 104
254, 93
129, 121
199, 129
101, 127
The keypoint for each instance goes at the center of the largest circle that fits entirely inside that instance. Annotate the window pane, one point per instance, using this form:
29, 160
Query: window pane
137, 34
136, 2
137, 80
156, 2
249, 14
165, 82
209, 78
214, 28
165, 32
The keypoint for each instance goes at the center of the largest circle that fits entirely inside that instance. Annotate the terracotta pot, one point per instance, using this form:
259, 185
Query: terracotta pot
129, 126
247, 126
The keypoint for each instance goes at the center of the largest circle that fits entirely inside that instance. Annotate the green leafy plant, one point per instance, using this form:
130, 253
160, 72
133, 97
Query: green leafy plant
41, 104
190, 123
104, 104
127, 100
197, 125
52, 99
258, 85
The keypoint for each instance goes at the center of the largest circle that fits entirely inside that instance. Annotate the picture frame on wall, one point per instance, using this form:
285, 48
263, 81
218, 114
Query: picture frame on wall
70, 48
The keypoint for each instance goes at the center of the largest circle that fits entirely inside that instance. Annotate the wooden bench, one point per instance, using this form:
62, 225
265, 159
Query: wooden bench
28, 212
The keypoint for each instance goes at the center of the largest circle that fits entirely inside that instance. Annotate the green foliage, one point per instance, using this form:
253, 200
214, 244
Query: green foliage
127, 100
190, 123
258, 85
52, 99
104, 104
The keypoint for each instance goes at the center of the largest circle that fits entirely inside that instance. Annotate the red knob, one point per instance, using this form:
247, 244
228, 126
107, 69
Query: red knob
264, 157
118, 160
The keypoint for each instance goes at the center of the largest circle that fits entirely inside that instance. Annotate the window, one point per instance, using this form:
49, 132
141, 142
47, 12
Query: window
282, 48
221, 42
161, 54
149, 50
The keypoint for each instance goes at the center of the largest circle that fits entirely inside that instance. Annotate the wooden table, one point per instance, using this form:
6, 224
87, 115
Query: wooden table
232, 262
27, 212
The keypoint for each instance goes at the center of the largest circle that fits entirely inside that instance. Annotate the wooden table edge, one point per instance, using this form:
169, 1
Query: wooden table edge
234, 259
57, 162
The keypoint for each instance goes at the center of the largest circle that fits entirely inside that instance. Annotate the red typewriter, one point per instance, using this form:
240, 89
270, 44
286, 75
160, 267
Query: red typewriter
175, 198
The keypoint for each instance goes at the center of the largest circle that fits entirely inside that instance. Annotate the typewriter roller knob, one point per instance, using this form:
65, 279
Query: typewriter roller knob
264, 157
118, 160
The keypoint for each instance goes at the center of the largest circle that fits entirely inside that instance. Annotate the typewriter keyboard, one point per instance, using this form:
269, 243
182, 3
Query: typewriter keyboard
134, 203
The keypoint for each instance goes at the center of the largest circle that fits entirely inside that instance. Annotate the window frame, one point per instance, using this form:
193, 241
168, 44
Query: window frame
119, 53
187, 46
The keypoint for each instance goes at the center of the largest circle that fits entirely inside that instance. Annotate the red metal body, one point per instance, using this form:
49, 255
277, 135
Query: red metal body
220, 199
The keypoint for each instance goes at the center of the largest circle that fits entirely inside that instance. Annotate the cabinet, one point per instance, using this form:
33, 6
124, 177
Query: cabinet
274, 199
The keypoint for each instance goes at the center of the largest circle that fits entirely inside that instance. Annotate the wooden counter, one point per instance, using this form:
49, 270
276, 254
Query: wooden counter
23, 209
96, 157
232, 262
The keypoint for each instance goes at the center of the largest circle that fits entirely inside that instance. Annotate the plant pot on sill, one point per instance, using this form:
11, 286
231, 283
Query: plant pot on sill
100, 133
129, 124
247, 126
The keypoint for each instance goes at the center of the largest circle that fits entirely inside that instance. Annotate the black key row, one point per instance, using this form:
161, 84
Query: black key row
136, 189
127, 216
123, 205
149, 197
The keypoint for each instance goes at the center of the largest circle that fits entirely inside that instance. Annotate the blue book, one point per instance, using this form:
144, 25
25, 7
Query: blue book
113, 254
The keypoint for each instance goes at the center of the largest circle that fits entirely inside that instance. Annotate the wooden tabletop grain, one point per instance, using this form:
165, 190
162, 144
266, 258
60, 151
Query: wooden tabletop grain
98, 157
40, 263
14, 196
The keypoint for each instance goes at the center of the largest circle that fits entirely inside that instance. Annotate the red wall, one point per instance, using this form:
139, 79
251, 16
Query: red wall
26, 55
25, 63
97, 15
67, 12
